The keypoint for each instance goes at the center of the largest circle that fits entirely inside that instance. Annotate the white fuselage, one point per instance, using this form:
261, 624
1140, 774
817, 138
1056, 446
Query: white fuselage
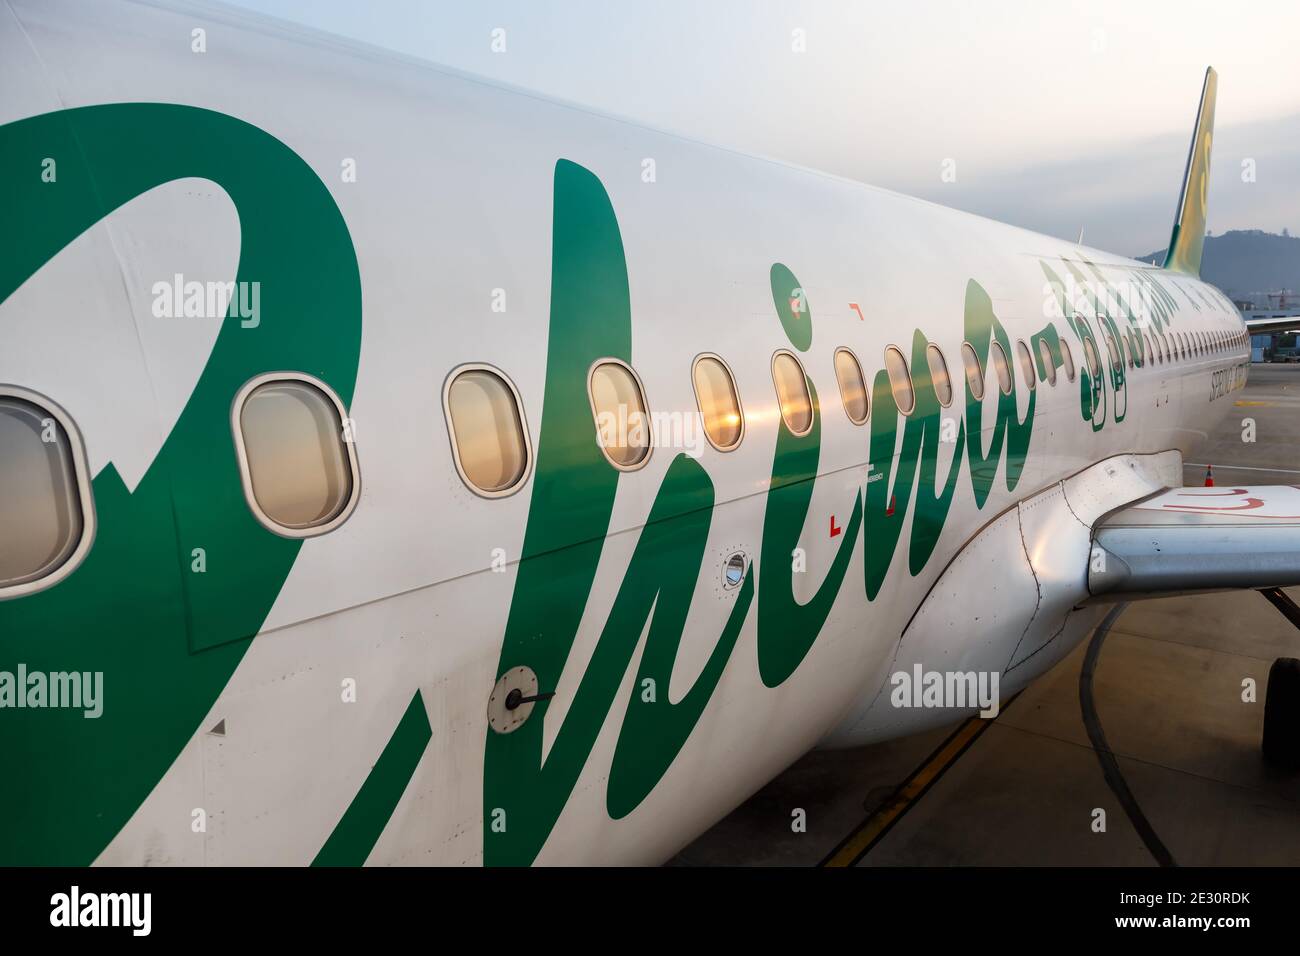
450, 214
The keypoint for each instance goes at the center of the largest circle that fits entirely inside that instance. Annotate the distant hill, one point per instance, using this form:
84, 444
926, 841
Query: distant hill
1247, 261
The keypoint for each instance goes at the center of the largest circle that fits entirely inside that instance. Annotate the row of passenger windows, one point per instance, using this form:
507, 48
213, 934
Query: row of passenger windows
490, 440
299, 467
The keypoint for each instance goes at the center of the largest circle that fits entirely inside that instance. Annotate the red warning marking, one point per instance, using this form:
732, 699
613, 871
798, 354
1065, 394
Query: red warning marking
1225, 493
834, 530
890, 510
854, 307
1206, 509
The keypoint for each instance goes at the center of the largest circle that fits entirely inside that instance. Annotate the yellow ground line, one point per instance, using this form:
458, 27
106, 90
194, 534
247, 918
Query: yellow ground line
1252, 403
871, 829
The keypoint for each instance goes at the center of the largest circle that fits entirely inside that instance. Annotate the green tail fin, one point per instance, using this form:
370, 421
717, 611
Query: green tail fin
1188, 237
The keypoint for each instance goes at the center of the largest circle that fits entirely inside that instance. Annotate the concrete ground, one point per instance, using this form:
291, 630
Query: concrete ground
1168, 689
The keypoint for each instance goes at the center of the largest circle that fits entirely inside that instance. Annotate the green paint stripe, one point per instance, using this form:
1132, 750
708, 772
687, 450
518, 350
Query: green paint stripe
356, 834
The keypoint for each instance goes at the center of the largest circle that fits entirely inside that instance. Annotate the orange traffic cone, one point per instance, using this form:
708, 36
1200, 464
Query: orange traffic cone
1209, 476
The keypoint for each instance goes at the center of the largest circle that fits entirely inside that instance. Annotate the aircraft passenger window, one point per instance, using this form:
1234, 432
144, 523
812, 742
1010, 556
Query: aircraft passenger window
974, 374
1002, 367
792, 393
618, 405
1045, 353
1092, 358
489, 440
900, 380
298, 466
853, 389
1116, 359
46, 515
939, 374
715, 394
1067, 360
1026, 364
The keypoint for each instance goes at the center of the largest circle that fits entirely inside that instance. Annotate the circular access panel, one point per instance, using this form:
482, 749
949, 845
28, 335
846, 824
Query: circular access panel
505, 713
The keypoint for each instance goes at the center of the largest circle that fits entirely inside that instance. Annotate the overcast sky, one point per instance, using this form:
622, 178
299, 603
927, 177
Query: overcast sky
1058, 115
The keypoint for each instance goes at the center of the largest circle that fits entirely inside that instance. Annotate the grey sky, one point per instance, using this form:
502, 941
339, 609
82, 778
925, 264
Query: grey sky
1059, 115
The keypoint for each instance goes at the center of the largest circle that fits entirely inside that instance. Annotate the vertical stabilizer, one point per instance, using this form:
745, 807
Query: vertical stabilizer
1188, 238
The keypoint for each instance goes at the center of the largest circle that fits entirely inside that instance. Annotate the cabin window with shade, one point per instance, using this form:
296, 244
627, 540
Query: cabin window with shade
1049, 364
792, 393
296, 457
46, 511
1116, 357
1002, 367
618, 404
853, 389
489, 439
900, 380
1067, 360
939, 374
1091, 357
974, 374
1026, 364
719, 404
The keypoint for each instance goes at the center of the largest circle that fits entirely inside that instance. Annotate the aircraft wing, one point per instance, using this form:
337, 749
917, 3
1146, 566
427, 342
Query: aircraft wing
1272, 324
1197, 539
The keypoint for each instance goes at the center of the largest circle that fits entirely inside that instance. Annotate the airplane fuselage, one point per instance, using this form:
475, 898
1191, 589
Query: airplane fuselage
327, 698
